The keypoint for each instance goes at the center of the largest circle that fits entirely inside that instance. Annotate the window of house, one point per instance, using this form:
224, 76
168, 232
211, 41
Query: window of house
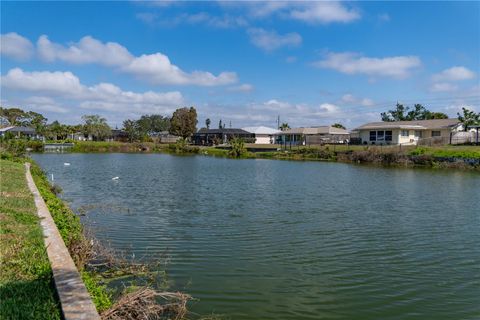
380, 135
404, 133
418, 133
373, 135
436, 133
388, 135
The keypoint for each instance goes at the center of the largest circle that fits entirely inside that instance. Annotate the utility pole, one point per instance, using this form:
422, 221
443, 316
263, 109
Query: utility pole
278, 122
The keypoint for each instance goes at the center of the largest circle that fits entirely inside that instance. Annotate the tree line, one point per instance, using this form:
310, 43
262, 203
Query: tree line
182, 123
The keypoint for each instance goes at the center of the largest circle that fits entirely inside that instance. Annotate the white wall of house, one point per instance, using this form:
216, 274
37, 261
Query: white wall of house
263, 139
406, 136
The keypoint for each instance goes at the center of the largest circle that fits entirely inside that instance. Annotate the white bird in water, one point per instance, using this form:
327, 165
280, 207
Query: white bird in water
66, 163
115, 178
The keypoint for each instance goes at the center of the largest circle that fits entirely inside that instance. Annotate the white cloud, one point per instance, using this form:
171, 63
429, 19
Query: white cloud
271, 40
312, 12
87, 50
155, 68
350, 99
55, 87
328, 108
324, 12
15, 46
58, 83
353, 63
456, 73
244, 88
443, 87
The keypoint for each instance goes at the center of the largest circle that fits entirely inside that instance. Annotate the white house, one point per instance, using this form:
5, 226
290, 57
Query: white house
263, 135
408, 132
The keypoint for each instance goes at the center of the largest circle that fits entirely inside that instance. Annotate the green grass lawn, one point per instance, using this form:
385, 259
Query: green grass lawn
26, 284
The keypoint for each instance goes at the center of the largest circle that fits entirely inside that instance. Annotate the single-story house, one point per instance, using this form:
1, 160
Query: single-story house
18, 131
313, 135
407, 132
165, 137
263, 135
208, 137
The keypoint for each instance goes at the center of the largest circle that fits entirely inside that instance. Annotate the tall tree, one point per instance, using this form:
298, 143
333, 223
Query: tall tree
207, 123
132, 129
418, 112
468, 118
398, 114
338, 125
437, 115
220, 126
153, 124
96, 126
13, 115
184, 122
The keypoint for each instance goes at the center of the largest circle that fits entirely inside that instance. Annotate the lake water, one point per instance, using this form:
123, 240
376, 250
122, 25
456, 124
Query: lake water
266, 239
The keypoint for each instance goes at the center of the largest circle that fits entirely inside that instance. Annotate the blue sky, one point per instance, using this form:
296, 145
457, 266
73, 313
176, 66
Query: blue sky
311, 63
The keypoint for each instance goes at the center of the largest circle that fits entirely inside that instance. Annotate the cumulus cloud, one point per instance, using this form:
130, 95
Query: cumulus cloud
59, 86
87, 50
15, 46
312, 12
58, 83
456, 73
324, 12
271, 40
155, 68
328, 108
443, 87
398, 67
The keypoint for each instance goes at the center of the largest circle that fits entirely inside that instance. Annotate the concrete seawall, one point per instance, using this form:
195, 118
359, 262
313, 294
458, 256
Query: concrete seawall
75, 300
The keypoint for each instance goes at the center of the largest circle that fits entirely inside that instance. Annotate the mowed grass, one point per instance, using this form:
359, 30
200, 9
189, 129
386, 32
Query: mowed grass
26, 284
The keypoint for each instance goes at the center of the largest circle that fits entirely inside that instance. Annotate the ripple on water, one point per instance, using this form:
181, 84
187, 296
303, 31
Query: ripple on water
290, 240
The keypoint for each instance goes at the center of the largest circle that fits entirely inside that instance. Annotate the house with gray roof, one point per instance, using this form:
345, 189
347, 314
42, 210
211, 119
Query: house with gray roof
407, 132
313, 135
18, 131
263, 135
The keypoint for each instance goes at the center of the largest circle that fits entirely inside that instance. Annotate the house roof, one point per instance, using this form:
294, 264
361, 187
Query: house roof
414, 124
261, 130
314, 130
18, 129
222, 131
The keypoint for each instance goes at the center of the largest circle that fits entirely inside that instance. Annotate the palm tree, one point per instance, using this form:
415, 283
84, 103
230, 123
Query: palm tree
284, 126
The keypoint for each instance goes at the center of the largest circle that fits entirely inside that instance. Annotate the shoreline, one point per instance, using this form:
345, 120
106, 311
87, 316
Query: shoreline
444, 157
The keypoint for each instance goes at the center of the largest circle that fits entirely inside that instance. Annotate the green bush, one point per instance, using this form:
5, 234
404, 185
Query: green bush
238, 149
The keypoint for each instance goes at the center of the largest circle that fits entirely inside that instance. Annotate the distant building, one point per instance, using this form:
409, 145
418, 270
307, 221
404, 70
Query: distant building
313, 135
408, 132
19, 132
263, 135
165, 137
208, 137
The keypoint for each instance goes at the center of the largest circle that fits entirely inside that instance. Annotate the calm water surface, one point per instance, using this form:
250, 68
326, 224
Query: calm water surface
260, 239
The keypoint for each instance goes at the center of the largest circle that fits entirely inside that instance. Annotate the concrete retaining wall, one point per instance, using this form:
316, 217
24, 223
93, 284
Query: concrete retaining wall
74, 298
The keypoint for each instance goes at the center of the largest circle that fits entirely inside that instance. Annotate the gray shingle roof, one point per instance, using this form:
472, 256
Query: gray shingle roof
414, 124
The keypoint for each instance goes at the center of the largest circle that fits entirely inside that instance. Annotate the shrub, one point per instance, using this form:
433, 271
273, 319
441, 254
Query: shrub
238, 149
